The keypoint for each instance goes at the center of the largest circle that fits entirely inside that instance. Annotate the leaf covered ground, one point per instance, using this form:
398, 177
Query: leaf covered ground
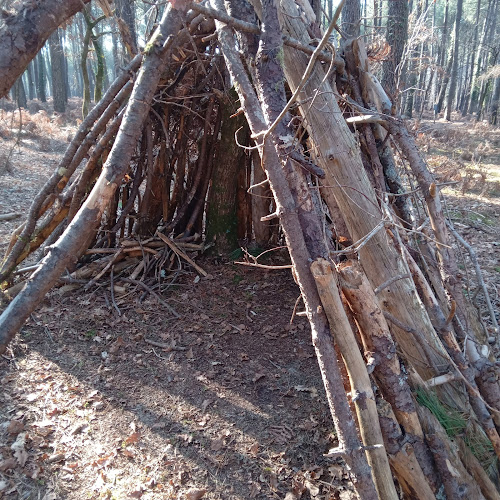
225, 402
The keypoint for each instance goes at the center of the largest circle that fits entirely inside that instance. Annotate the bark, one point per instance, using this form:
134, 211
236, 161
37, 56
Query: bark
347, 182
458, 483
24, 34
57, 72
381, 350
288, 210
495, 98
468, 83
42, 82
221, 212
126, 24
396, 36
261, 202
351, 17
20, 94
77, 235
454, 69
31, 81
363, 399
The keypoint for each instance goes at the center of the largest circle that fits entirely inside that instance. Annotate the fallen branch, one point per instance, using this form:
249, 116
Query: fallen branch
10, 216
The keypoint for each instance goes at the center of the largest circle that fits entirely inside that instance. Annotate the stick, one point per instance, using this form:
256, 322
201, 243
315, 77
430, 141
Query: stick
154, 294
307, 73
479, 274
181, 254
167, 347
9, 216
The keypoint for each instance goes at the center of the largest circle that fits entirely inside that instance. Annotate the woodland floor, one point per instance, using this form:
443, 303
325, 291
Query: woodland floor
235, 405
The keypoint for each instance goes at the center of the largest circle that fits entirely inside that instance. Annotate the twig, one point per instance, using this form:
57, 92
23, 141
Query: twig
479, 274
180, 253
263, 266
167, 347
390, 282
154, 294
115, 305
106, 267
9, 216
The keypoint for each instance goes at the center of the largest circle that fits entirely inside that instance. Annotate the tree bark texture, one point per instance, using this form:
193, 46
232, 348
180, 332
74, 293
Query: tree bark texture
396, 36
221, 214
347, 182
454, 68
23, 35
58, 72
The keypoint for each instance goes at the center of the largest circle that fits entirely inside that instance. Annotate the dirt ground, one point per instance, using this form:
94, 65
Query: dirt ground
225, 402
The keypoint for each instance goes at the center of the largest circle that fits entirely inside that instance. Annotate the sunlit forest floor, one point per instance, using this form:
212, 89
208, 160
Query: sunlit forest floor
225, 402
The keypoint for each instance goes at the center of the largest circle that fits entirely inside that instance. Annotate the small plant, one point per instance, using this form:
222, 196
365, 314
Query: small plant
453, 421
91, 334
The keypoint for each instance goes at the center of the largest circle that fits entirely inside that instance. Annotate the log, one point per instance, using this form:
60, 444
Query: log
24, 34
378, 342
361, 389
286, 207
346, 181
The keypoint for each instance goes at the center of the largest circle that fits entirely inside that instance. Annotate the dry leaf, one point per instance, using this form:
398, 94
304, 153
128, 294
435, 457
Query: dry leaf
56, 458
9, 463
18, 448
273, 482
217, 444
195, 494
254, 449
116, 345
136, 494
133, 438
15, 427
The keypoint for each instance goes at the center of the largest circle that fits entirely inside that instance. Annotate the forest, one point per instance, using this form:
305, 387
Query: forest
249, 249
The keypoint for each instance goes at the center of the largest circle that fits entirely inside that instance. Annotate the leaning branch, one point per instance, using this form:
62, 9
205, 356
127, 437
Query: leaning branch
22, 35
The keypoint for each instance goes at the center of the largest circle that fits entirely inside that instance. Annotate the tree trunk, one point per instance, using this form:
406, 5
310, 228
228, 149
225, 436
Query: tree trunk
222, 222
22, 36
351, 18
261, 203
494, 103
20, 94
31, 81
58, 72
454, 68
42, 75
396, 36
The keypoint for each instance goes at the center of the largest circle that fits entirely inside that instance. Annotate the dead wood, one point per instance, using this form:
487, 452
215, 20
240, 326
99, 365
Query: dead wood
361, 389
23, 34
76, 237
287, 208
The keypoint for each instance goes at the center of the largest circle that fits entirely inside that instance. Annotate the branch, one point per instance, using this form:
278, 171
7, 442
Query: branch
307, 72
24, 34
253, 28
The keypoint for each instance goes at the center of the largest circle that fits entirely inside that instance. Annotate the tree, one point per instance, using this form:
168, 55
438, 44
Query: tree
396, 36
454, 65
24, 34
58, 72
326, 153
